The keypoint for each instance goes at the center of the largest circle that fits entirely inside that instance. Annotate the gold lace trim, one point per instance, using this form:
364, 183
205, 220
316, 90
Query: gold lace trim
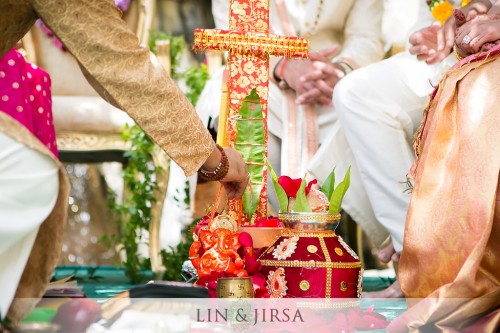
310, 264
328, 287
306, 218
314, 234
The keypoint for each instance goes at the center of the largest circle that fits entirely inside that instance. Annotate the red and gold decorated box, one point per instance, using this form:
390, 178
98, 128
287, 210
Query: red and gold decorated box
309, 260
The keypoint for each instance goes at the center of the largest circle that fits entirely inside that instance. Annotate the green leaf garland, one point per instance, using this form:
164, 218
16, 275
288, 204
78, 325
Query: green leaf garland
250, 142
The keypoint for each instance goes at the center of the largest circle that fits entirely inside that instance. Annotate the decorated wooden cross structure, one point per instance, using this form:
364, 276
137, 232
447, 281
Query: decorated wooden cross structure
243, 117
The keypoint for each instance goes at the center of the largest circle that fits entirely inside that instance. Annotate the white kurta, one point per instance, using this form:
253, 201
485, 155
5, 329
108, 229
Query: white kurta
380, 107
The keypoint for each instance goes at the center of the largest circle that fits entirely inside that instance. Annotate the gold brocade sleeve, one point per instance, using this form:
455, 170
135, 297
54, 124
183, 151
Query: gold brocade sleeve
122, 73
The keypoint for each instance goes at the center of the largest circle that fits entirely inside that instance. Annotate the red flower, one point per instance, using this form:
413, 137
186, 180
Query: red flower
252, 265
291, 186
259, 286
310, 184
210, 282
245, 239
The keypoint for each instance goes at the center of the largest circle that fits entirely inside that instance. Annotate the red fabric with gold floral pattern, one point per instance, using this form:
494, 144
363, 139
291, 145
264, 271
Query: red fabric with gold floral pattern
247, 72
334, 273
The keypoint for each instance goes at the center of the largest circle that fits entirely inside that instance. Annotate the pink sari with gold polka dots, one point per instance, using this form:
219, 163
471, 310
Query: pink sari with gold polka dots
25, 96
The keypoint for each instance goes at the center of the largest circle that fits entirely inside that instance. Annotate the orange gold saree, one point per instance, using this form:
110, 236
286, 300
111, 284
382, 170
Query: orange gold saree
451, 252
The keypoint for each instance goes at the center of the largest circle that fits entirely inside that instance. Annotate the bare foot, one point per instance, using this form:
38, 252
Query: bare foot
385, 254
393, 291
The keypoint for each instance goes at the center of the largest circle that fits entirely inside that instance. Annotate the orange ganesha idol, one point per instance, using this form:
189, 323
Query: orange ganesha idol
215, 249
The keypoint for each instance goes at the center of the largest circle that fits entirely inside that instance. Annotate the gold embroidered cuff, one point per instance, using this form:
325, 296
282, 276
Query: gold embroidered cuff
310, 264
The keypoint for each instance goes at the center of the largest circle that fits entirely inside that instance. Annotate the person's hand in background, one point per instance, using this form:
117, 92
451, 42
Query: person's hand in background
471, 10
322, 79
434, 43
295, 73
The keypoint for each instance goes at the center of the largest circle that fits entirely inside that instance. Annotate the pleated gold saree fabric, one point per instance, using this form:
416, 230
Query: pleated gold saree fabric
451, 253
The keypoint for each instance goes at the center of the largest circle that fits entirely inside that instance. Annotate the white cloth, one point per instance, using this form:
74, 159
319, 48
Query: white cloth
134, 321
398, 18
380, 107
29, 186
178, 206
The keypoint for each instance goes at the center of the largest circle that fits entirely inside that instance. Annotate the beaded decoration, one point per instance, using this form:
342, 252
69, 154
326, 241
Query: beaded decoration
312, 31
310, 264
348, 249
360, 283
250, 43
220, 171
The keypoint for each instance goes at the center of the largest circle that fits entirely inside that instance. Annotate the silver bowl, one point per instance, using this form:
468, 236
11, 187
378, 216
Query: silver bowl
310, 221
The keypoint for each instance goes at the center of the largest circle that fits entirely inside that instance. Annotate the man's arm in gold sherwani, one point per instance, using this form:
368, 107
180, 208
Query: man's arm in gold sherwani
122, 73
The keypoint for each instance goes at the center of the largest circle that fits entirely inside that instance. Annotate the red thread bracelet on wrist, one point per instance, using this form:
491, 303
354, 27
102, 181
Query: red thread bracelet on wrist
281, 74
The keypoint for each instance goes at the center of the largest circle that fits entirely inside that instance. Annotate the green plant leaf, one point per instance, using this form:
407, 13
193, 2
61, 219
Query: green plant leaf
329, 184
195, 78
280, 192
301, 204
339, 192
250, 142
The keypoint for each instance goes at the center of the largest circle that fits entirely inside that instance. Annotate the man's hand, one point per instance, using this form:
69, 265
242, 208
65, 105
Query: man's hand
432, 44
295, 72
322, 79
236, 180
322, 82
